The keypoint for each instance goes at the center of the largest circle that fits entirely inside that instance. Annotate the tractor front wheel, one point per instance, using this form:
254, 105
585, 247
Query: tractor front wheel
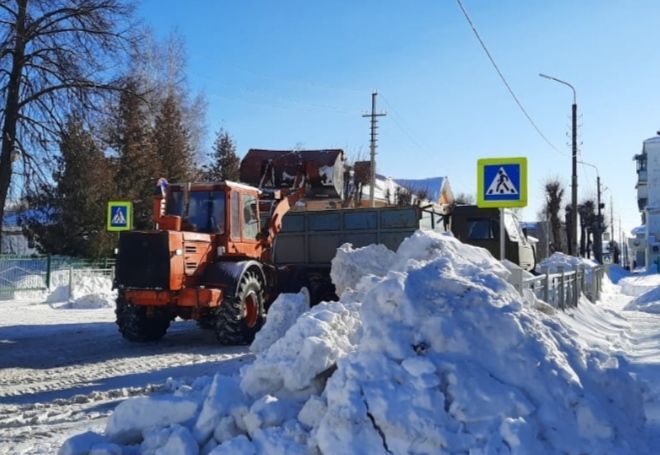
241, 317
136, 325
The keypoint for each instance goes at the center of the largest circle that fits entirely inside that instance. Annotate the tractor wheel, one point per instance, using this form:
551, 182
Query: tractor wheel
135, 325
241, 317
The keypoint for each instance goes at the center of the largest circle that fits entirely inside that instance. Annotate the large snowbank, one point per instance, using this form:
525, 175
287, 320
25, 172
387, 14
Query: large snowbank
636, 285
648, 302
429, 350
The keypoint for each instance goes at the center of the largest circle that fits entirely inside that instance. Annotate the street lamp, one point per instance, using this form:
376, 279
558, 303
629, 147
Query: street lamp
574, 246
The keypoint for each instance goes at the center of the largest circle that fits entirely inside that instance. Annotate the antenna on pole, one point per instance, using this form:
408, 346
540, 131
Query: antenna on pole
374, 127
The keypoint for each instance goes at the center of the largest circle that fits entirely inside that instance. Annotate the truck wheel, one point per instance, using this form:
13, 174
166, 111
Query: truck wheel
241, 317
135, 325
320, 289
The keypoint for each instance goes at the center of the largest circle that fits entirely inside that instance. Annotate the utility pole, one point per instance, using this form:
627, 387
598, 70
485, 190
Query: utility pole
372, 146
598, 235
574, 179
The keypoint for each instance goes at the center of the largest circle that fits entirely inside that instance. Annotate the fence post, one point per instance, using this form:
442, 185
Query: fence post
517, 279
576, 287
70, 281
562, 296
48, 270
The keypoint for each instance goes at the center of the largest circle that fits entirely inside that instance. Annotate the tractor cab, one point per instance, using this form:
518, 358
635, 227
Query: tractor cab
228, 211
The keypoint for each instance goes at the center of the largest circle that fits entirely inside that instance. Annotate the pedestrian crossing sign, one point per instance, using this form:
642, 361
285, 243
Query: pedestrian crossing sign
502, 182
120, 216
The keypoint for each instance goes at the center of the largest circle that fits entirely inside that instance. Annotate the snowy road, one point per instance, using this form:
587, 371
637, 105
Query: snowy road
63, 370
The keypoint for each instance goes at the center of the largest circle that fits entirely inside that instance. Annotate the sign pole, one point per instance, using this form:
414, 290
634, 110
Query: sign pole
502, 256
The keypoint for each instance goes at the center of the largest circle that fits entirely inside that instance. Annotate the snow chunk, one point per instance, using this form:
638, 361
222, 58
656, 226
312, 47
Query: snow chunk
350, 265
173, 440
317, 340
224, 396
282, 314
133, 416
239, 444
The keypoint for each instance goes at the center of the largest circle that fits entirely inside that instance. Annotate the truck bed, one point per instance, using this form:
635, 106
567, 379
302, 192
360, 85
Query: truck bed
312, 237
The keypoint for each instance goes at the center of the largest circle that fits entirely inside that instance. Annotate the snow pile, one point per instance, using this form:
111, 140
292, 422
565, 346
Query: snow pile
427, 351
282, 314
636, 285
558, 261
88, 290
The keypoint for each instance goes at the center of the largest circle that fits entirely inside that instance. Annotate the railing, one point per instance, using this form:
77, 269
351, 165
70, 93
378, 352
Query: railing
562, 289
31, 277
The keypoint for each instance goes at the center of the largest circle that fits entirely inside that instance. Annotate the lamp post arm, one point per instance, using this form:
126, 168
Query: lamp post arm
561, 82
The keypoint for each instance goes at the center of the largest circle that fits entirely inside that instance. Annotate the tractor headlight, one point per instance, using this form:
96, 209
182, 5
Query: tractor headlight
178, 252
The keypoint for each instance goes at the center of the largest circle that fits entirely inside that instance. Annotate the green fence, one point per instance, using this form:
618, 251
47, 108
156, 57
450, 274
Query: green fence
30, 277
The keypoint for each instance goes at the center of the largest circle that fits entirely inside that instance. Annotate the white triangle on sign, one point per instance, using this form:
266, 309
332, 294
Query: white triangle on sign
501, 184
119, 217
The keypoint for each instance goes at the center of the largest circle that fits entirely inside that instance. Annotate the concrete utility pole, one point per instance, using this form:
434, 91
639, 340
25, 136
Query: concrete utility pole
574, 241
372, 146
598, 235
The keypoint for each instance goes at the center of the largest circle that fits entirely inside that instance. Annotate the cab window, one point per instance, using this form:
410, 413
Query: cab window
482, 229
250, 218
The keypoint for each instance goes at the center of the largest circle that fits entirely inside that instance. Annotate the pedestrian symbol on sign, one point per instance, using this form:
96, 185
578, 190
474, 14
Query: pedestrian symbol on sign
501, 184
119, 219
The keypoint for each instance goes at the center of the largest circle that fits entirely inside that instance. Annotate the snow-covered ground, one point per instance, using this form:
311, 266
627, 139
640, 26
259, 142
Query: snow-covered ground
62, 370
429, 350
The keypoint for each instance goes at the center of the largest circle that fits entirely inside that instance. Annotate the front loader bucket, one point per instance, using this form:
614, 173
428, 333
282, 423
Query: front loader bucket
324, 170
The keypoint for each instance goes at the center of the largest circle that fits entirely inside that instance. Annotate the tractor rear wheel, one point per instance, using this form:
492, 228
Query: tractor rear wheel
241, 317
135, 325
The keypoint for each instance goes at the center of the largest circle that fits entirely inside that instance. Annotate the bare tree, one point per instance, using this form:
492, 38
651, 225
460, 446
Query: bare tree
464, 199
56, 57
554, 192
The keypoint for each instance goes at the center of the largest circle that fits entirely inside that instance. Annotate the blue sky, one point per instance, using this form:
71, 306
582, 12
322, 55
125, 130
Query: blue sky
287, 73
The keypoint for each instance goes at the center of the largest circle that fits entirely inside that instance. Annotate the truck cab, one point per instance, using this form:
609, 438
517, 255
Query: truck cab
481, 227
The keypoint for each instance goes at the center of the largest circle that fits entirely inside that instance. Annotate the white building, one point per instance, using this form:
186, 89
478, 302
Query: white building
648, 197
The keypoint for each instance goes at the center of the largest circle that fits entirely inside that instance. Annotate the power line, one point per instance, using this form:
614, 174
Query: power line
508, 87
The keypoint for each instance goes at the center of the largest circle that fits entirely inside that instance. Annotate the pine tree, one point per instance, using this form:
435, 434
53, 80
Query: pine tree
138, 166
225, 163
68, 216
172, 141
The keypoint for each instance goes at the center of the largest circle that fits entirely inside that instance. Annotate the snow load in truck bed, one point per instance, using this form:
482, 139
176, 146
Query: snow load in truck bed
429, 350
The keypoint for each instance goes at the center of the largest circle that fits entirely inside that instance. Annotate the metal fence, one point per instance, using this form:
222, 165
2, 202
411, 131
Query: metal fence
30, 277
562, 289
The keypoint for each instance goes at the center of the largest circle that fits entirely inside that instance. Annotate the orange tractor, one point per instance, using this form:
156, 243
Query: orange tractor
209, 256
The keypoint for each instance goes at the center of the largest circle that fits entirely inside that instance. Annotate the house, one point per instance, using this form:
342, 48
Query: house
14, 241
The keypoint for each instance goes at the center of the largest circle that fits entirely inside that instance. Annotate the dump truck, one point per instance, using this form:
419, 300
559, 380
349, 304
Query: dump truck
221, 252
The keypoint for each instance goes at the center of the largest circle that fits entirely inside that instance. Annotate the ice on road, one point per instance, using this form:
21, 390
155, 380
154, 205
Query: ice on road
62, 371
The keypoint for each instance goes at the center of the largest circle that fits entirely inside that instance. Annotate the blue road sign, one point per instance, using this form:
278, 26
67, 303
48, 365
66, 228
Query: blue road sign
120, 216
502, 182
